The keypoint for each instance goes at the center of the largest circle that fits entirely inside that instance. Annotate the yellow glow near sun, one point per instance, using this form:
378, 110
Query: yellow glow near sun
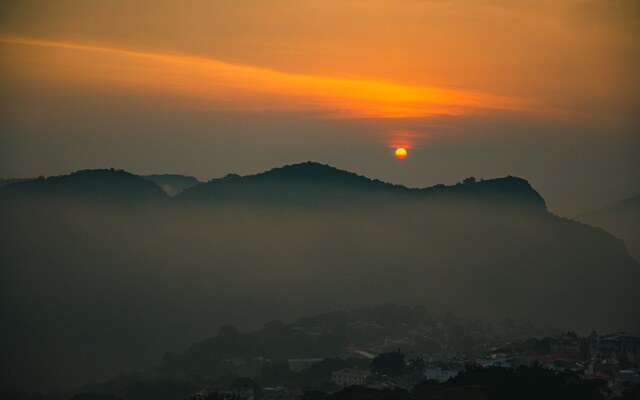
401, 153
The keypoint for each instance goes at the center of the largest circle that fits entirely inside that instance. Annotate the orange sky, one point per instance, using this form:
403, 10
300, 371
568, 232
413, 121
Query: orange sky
368, 74
214, 84
375, 58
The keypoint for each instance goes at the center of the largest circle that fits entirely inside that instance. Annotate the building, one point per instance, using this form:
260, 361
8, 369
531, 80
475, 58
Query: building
630, 347
350, 377
494, 360
441, 373
237, 393
622, 347
279, 393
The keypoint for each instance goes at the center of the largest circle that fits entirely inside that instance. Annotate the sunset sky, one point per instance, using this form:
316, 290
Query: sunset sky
545, 90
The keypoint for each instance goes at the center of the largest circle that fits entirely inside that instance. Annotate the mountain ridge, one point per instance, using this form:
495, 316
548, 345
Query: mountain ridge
306, 183
88, 184
291, 182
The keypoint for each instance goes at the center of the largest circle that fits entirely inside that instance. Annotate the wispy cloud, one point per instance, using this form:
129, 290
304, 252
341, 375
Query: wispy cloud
209, 82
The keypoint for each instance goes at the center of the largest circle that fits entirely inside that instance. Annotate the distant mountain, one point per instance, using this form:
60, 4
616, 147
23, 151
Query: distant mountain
94, 185
5, 182
316, 184
173, 184
622, 219
306, 183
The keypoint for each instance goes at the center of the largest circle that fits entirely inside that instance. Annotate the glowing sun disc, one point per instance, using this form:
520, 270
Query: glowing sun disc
401, 153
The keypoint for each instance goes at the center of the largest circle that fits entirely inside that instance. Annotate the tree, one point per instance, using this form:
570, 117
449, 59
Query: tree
228, 331
391, 364
469, 181
95, 396
417, 366
244, 383
276, 373
319, 373
313, 395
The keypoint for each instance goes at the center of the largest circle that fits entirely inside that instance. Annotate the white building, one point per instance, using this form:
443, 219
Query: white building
440, 374
349, 377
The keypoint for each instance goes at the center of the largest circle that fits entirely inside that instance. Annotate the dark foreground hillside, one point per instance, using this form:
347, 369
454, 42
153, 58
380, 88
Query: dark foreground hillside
524, 383
476, 383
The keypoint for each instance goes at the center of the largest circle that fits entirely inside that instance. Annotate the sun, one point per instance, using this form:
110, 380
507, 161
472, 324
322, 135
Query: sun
401, 153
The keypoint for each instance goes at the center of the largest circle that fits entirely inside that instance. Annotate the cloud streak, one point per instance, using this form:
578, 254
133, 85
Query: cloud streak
213, 84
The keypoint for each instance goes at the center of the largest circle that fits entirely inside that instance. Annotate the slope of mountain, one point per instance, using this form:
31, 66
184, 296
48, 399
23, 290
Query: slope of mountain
622, 219
96, 185
173, 184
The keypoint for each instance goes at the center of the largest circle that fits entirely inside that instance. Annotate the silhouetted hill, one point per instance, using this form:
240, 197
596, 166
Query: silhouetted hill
312, 183
307, 183
173, 184
507, 192
92, 185
319, 173
622, 219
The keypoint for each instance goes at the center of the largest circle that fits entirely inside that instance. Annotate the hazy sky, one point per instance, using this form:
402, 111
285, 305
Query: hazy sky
546, 90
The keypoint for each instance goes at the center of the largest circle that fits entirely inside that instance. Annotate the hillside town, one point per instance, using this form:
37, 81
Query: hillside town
613, 359
383, 348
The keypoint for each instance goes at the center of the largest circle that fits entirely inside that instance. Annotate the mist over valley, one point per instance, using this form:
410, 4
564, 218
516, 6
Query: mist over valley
102, 271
